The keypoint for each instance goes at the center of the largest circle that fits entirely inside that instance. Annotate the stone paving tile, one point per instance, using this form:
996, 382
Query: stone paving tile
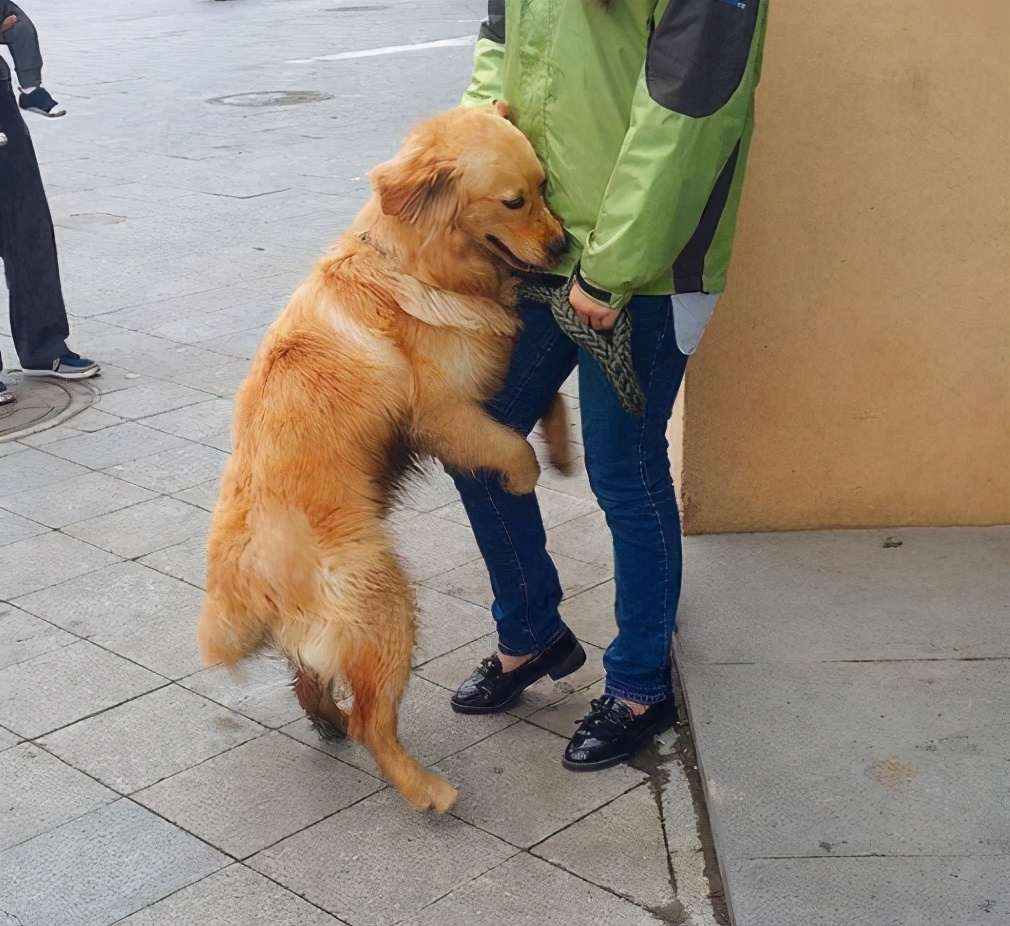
522, 760
240, 344
449, 670
576, 485
471, 583
40, 792
130, 609
143, 528
46, 560
425, 559
118, 444
150, 398
222, 380
150, 738
204, 495
379, 861
446, 623
834, 595
562, 716
77, 499
590, 614
175, 470
206, 423
586, 539
87, 421
258, 688
173, 361
64, 685
904, 758
431, 490
186, 561
100, 867
944, 891
528, 890
33, 469
429, 729
14, 528
8, 740
620, 847
24, 636
555, 509
233, 896
260, 792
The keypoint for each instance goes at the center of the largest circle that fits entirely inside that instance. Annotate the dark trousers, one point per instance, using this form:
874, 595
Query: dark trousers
23, 41
28, 244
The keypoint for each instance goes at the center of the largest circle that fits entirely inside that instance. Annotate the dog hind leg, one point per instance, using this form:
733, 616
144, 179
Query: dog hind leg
316, 699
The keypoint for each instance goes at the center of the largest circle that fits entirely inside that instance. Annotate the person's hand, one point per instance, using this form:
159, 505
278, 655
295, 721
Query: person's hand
590, 312
8, 23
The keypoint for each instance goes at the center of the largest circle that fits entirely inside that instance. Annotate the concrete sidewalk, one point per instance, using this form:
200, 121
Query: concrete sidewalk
849, 697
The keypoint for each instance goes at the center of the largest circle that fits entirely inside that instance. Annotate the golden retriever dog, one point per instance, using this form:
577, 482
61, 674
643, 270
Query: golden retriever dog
385, 353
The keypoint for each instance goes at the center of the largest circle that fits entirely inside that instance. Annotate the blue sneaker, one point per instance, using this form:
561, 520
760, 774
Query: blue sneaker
40, 101
69, 366
6, 397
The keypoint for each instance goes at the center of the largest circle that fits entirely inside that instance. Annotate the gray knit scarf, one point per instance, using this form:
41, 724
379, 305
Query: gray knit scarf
611, 349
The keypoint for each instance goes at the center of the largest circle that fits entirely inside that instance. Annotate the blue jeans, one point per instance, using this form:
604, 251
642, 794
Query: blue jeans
629, 471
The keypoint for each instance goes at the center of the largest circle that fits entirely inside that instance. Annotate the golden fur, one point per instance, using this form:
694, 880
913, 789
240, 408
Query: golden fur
389, 348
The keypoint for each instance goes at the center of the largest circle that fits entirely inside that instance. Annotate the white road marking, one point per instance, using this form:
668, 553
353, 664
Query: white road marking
390, 50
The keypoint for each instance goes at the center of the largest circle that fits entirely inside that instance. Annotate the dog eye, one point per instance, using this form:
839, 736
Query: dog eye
517, 203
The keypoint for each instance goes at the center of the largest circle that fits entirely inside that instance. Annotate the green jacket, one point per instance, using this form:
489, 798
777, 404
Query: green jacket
642, 116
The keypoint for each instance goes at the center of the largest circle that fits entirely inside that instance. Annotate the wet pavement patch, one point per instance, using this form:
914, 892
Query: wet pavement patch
271, 98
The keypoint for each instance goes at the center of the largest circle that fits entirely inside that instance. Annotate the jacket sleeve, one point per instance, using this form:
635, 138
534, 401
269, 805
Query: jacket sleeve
690, 112
488, 59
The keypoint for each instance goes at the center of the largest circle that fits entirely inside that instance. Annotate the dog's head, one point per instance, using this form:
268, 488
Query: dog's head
473, 171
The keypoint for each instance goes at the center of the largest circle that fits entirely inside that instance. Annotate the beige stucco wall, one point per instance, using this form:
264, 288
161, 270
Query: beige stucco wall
857, 373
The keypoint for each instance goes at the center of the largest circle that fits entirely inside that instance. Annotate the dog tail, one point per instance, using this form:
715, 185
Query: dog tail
554, 425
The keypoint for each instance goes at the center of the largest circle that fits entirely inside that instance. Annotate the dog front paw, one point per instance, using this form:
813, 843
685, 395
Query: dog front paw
521, 478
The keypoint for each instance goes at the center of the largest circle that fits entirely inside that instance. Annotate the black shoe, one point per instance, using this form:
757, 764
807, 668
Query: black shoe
610, 733
40, 101
491, 689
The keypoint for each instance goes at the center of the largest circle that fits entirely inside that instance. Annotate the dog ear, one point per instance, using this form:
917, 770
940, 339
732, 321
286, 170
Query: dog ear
411, 180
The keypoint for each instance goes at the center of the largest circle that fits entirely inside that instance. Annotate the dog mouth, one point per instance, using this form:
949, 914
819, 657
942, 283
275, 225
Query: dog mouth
511, 259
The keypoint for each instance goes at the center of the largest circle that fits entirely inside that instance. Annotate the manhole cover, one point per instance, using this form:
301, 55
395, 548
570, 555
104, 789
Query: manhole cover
272, 98
41, 404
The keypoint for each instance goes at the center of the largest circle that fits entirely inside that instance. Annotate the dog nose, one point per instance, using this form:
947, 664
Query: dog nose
557, 246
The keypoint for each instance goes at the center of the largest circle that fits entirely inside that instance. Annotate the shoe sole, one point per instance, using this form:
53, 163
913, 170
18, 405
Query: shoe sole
42, 112
575, 661
84, 374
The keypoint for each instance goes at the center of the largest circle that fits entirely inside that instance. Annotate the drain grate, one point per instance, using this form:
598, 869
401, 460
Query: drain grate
272, 98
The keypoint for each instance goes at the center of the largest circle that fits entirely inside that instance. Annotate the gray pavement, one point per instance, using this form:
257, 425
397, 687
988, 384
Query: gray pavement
137, 786
848, 695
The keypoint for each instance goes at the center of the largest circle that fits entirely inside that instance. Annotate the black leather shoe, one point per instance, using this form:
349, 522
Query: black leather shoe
610, 733
491, 689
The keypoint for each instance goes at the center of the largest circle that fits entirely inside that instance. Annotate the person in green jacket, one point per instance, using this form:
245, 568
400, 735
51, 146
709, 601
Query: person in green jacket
641, 112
